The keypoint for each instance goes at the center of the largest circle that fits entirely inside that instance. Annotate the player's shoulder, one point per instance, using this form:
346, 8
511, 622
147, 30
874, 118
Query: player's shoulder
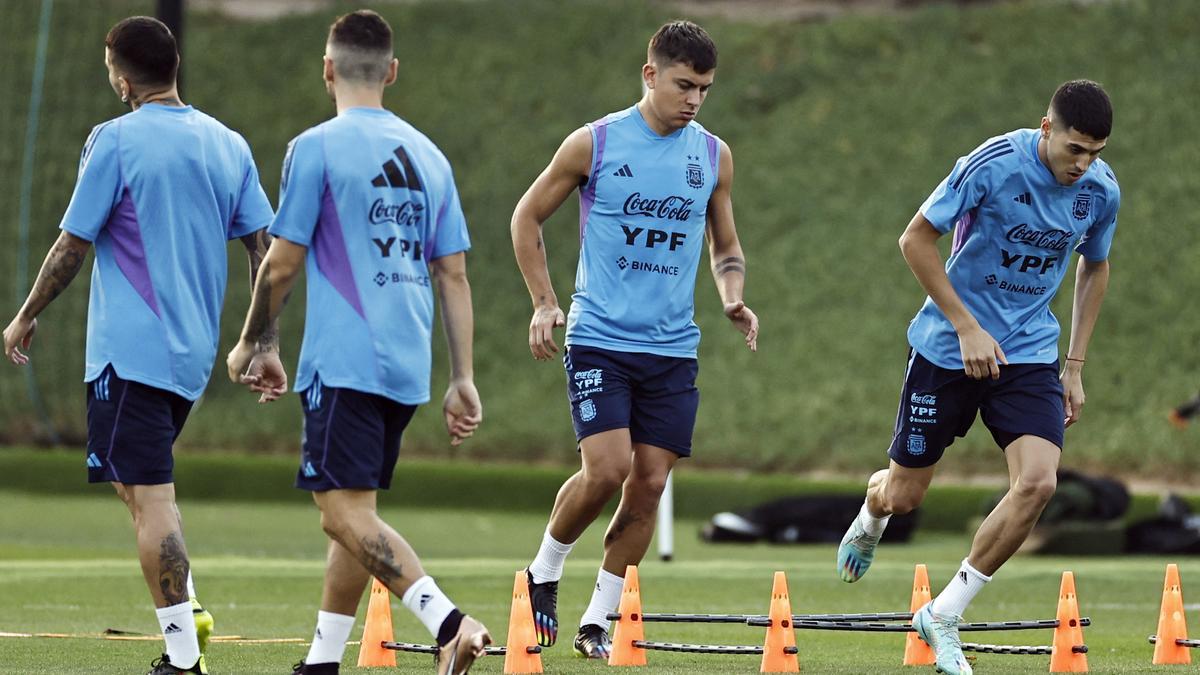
994, 159
1103, 176
107, 131
612, 118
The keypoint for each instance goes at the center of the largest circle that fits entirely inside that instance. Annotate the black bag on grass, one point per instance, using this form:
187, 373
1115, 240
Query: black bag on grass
801, 519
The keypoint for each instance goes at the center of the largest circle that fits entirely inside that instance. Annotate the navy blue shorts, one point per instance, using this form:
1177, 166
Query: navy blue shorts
351, 439
131, 428
653, 396
938, 405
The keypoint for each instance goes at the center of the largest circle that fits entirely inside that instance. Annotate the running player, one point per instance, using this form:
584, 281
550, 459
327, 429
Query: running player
985, 340
159, 192
653, 184
368, 205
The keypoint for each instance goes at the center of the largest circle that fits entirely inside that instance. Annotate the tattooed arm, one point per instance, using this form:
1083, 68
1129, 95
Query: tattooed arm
257, 244
61, 265
272, 286
725, 252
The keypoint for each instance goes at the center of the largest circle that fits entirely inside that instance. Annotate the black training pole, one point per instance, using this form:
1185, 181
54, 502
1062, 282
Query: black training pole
170, 12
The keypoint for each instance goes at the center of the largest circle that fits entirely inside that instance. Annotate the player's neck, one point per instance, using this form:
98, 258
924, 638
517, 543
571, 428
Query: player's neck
168, 97
357, 97
656, 125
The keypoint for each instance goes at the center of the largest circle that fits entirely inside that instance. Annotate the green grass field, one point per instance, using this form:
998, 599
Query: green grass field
67, 566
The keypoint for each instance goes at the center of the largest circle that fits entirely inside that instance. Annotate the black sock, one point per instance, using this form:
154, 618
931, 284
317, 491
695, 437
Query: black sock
449, 627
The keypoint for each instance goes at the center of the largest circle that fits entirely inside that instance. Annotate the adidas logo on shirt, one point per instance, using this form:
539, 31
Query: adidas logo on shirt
624, 171
392, 176
172, 629
1024, 198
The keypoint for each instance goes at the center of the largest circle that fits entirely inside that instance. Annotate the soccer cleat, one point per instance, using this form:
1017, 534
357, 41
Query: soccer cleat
163, 666
856, 552
543, 598
457, 656
592, 642
940, 631
1178, 419
303, 668
204, 631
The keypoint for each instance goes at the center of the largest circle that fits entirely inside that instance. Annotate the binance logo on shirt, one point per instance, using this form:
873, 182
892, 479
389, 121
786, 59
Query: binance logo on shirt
393, 176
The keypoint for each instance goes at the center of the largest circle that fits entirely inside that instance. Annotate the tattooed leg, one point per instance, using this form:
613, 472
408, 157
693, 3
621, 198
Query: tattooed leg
350, 520
161, 548
632, 526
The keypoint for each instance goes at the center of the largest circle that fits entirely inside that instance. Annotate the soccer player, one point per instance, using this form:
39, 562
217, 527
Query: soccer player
159, 192
369, 207
985, 340
652, 185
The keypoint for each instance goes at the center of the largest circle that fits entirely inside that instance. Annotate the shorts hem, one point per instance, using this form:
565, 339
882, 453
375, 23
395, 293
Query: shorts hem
682, 451
144, 479
599, 430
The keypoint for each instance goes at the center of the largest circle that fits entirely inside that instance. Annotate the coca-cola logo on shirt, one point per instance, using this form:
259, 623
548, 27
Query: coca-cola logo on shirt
673, 207
1055, 240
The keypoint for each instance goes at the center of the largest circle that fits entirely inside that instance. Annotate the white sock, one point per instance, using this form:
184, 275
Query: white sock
329, 642
961, 590
548, 564
179, 631
191, 586
605, 599
872, 525
429, 603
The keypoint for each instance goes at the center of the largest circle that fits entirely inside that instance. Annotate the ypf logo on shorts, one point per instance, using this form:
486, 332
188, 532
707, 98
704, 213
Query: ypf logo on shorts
587, 410
589, 381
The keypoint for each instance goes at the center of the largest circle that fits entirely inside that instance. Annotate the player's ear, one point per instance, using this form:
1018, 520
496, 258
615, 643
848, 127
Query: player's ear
648, 74
1046, 123
327, 73
393, 67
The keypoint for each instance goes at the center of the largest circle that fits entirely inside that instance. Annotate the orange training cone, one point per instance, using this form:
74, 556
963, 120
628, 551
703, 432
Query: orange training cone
1171, 623
779, 649
377, 630
629, 626
916, 652
1069, 634
521, 634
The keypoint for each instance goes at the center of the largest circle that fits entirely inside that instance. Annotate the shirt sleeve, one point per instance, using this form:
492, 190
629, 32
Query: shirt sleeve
253, 209
98, 187
1097, 241
300, 191
966, 186
450, 234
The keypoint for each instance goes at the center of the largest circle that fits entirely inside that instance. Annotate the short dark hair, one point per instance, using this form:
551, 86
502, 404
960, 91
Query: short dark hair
683, 42
1084, 106
144, 50
363, 40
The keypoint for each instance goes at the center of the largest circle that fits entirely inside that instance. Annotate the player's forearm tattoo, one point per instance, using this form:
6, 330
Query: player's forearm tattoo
730, 264
173, 570
266, 332
379, 560
62, 264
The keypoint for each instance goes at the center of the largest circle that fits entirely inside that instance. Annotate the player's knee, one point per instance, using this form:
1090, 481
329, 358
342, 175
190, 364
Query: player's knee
1035, 489
335, 523
606, 479
902, 501
648, 488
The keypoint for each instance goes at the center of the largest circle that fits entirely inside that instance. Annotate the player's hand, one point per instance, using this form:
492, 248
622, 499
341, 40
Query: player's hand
541, 331
1073, 398
266, 376
981, 354
745, 320
18, 336
462, 409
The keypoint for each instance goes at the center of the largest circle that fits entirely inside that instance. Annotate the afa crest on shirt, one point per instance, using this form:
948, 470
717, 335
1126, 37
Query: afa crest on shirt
1082, 206
695, 176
